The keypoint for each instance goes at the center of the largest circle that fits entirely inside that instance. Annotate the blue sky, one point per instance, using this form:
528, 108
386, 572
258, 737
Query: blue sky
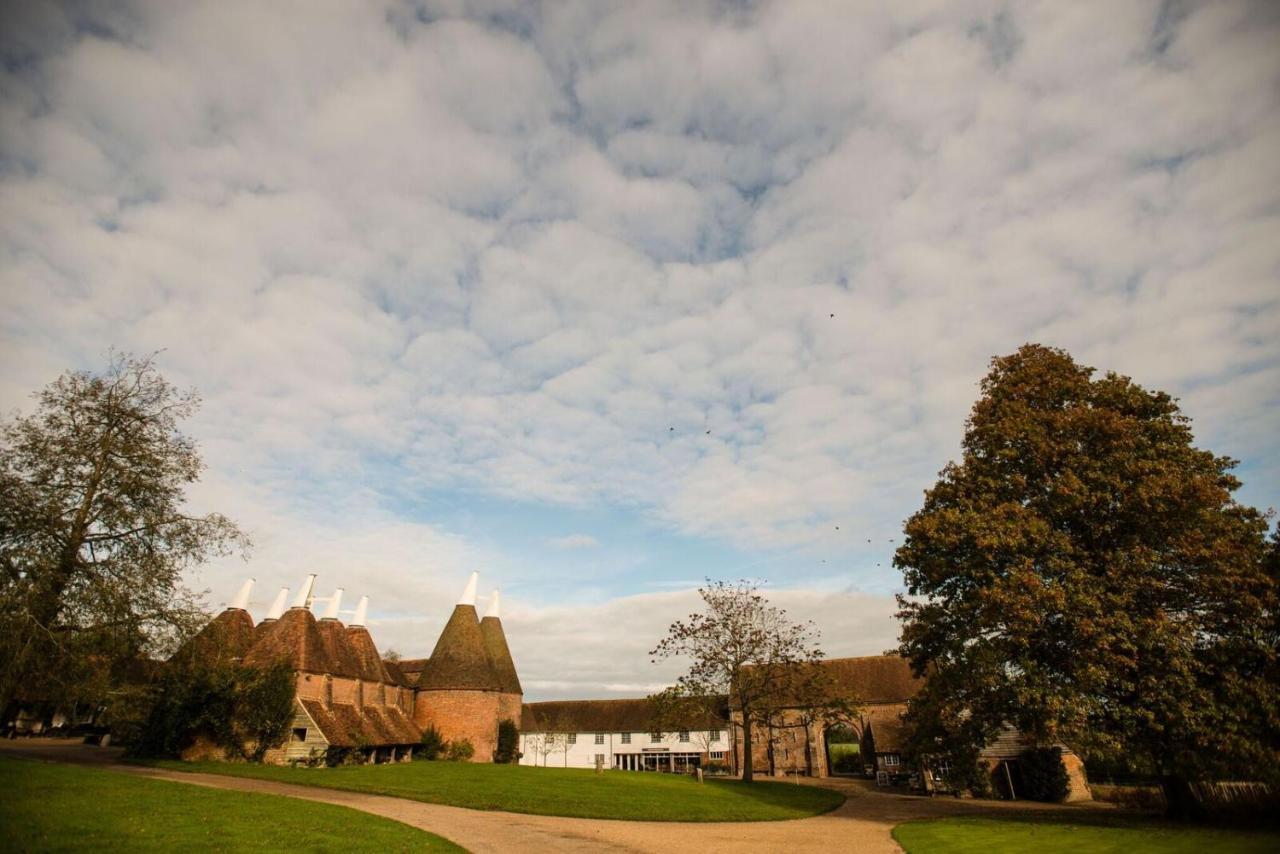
601, 299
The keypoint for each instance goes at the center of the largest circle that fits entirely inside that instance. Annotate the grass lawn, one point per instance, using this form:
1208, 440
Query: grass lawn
47, 807
554, 791
1018, 835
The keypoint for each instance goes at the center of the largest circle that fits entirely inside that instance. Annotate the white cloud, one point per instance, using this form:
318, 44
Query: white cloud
573, 541
587, 256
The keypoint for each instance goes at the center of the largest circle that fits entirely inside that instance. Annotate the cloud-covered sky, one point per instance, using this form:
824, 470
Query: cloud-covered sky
603, 299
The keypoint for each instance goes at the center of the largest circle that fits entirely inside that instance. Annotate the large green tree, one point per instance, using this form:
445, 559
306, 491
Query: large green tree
1085, 574
94, 537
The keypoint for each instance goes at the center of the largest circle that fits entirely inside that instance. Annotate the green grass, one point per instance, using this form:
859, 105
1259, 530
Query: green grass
46, 807
634, 796
1016, 835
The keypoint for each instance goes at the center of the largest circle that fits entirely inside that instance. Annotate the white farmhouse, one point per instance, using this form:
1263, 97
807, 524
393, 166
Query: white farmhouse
616, 734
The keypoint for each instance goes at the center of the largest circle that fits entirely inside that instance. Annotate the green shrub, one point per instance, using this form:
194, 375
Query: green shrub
460, 751
1044, 777
232, 706
508, 742
432, 745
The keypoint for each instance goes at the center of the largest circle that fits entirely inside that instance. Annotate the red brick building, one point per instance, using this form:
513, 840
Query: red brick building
349, 699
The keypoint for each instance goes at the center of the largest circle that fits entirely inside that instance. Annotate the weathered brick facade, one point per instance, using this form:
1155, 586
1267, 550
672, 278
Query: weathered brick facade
470, 715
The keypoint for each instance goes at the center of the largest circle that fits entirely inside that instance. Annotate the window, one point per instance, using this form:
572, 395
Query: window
684, 735
573, 738
717, 754
655, 736
599, 738
717, 735
626, 738
891, 760
941, 769
299, 733
599, 760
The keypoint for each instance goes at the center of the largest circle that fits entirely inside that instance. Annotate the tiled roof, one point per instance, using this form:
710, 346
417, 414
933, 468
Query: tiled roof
874, 678
227, 636
629, 715
870, 679
337, 646
459, 660
887, 727
294, 638
344, 725
371, 668
495, 646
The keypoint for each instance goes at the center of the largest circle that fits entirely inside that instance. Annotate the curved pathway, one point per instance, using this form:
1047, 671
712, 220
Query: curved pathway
862, 823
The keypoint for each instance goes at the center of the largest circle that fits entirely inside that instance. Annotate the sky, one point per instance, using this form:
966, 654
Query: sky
605, 299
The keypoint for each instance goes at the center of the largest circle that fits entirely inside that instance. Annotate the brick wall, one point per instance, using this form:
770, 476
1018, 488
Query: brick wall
509, 706
472, 715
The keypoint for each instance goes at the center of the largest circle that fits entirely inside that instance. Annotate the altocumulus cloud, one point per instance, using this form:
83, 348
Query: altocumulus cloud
733, 268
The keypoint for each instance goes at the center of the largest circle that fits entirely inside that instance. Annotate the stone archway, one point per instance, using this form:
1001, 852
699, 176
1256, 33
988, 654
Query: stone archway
839, 742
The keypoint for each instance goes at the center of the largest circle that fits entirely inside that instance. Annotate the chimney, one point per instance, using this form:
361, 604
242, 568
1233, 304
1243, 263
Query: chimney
335, 601
362, 611
277, 607
241, 602
303, 599
494, 605
469, 593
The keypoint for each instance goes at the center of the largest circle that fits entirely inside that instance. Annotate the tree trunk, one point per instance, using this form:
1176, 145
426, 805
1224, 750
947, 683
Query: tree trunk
747, 769
1180, 801
808, 753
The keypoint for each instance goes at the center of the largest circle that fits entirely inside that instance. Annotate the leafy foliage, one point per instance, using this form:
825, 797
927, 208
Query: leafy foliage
460, 750
93, 537
432, 745
244, 710
1044, 777
1085, 574
508, 742
744, 648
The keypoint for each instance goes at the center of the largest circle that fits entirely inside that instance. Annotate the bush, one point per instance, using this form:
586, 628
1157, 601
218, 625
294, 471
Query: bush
460, 751
432, 745
228, 705
1044, 777
716, 769
508, 742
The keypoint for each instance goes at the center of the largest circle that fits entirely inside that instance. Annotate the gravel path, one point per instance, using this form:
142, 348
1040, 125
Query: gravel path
862, 824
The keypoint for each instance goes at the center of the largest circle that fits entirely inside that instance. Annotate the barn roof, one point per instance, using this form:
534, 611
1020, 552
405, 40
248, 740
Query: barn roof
624, 715
874, 678
495, 646
459, 660
294, 638
344, 725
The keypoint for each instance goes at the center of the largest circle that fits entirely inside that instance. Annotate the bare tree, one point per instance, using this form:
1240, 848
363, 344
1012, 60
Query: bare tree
741, 647
93, 535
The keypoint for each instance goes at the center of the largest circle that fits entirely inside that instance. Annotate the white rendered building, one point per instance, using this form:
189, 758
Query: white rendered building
615, 734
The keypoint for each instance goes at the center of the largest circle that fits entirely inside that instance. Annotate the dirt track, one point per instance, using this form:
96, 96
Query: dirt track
863, 823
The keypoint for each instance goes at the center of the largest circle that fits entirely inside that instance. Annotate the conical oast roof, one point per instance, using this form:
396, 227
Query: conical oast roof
226, 637
295, 638
342, 657
366, 653
495, 646
459, 660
